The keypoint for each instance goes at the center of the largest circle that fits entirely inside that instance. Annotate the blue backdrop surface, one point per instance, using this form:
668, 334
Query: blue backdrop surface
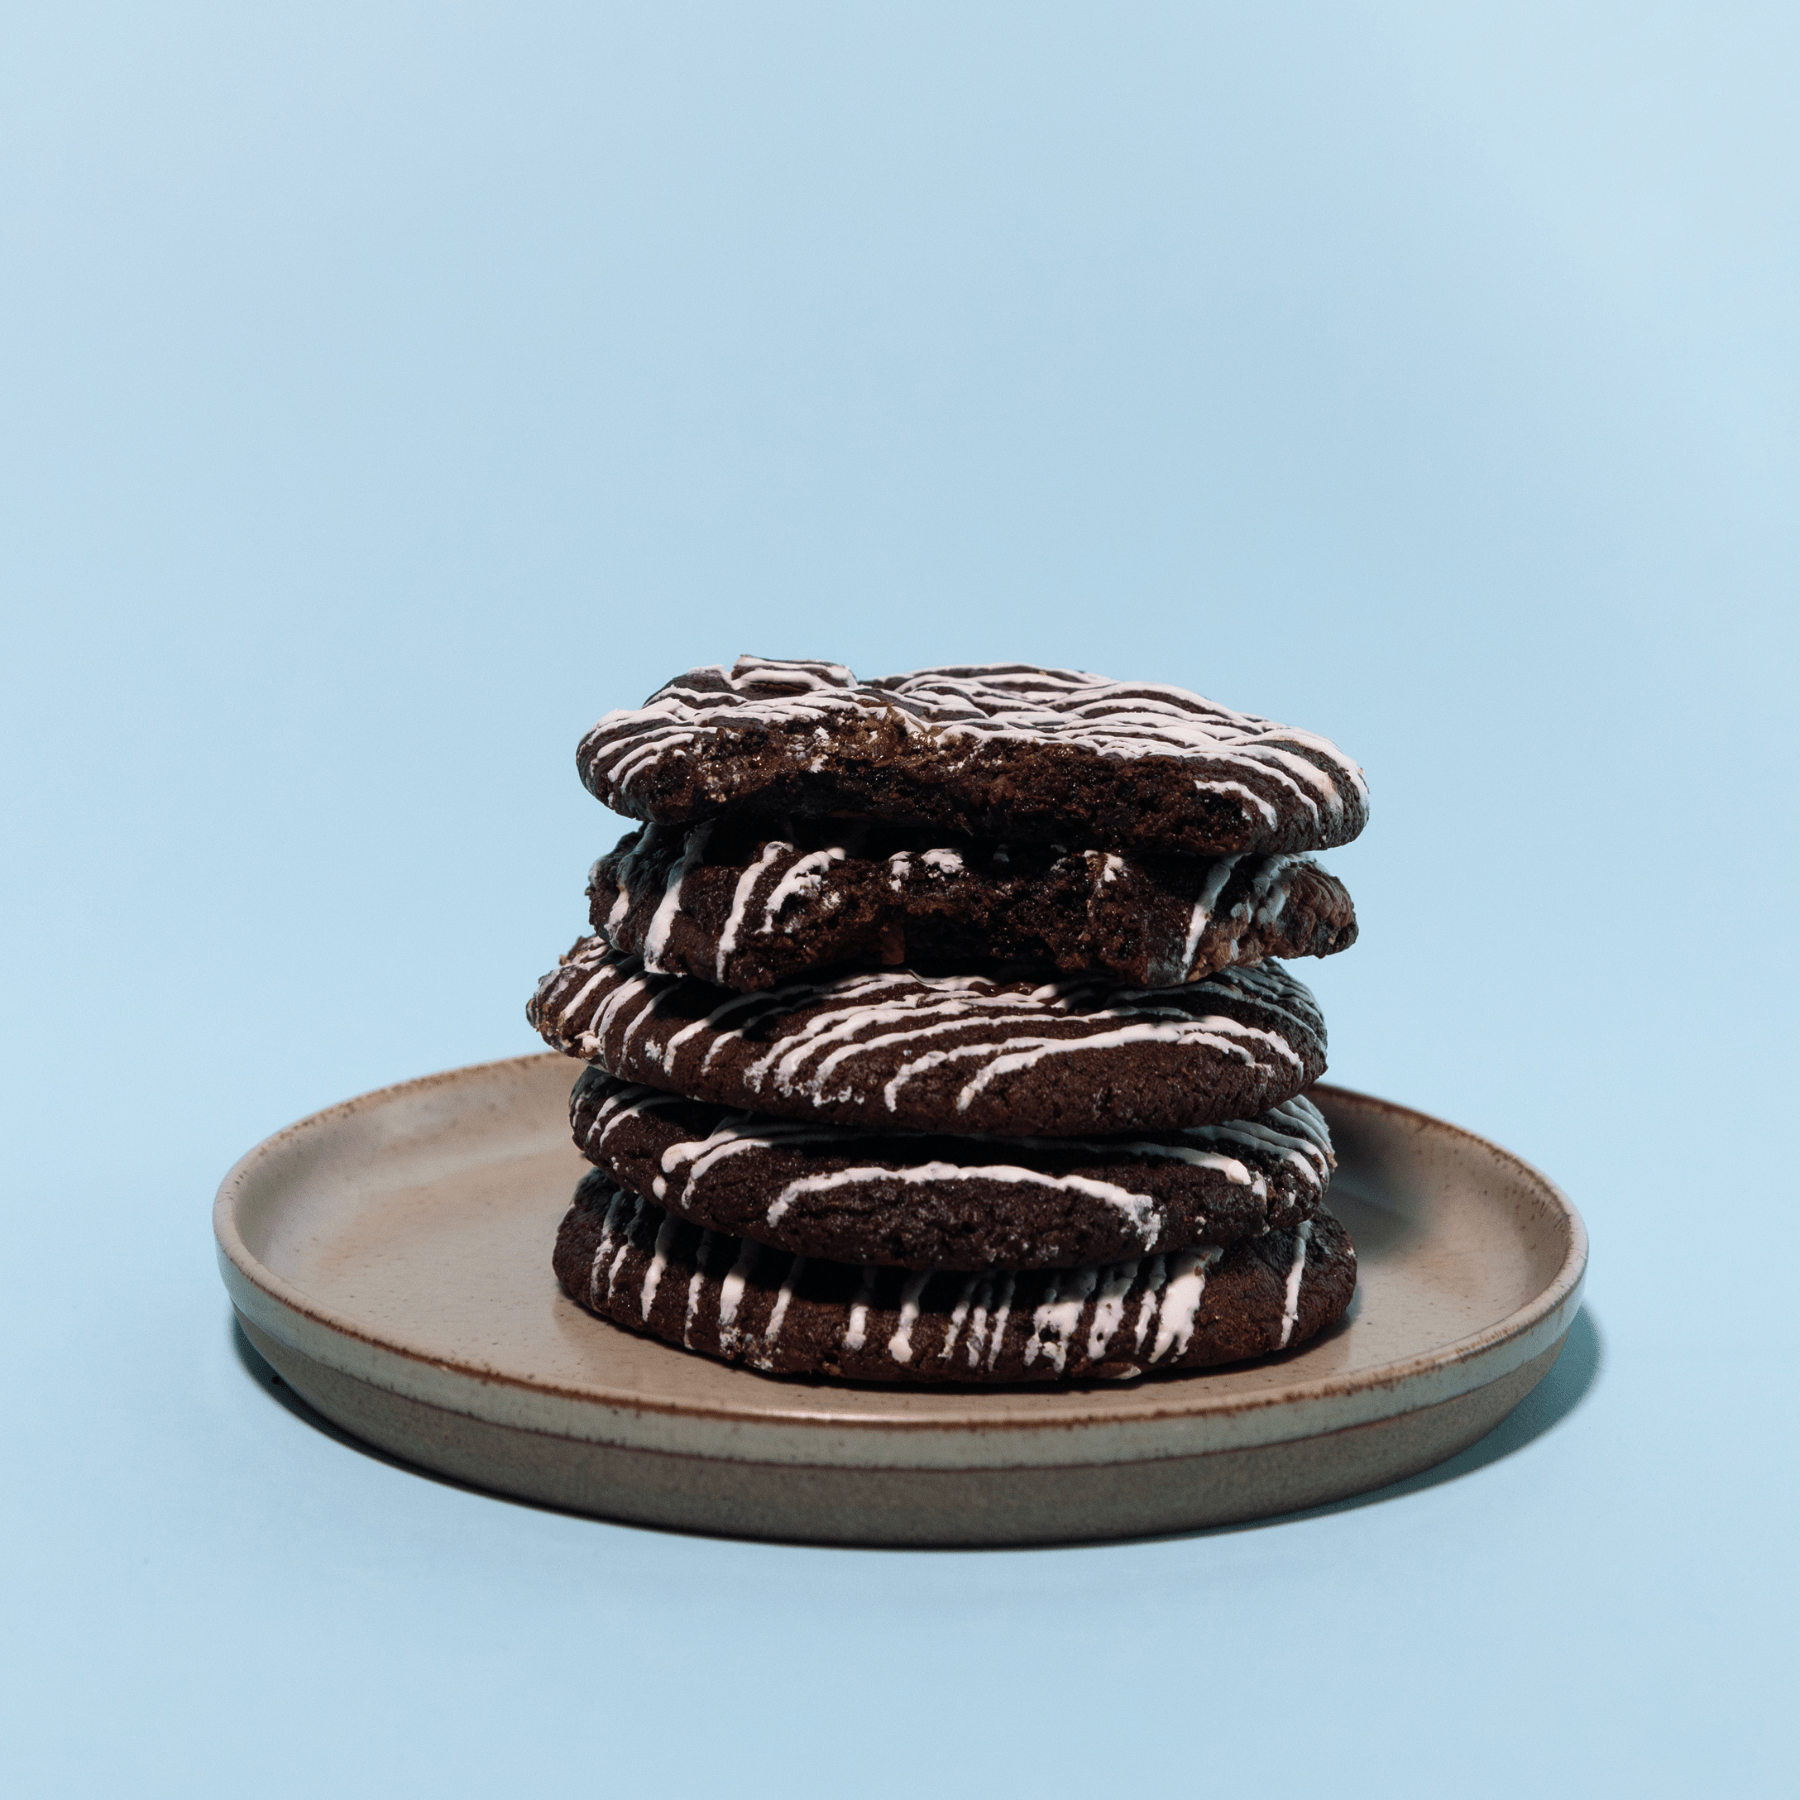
390, 389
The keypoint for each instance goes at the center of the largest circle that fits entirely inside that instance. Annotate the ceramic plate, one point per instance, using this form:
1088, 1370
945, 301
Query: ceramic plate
391, 1258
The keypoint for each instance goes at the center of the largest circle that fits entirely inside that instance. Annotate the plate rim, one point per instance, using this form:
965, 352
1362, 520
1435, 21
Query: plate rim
1530, 1328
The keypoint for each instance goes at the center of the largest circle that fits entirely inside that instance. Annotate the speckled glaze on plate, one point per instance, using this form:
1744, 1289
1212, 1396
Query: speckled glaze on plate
391, 1258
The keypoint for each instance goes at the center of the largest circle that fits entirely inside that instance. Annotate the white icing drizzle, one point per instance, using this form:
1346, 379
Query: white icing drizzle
1271, 817
626, 1229
978, 1323
802, 879
609, 1226
602, 972
643, 854
1268, 895
1181, 1299
1139, 1211
921, 1008
1295, 1130
1290, 1306
1109, 1308
673, 1047
1153, 1286
732, 1136
1002, 1310
623, 1102
856, 1333
900, 1344
621, 901
659, 1260
618, 1005
581, 993
731, 1294
773, 1330
807, 704
1017, 1053
1057, 1316
657, 937
958, 1314
740, 900
1204, 902
696, 1282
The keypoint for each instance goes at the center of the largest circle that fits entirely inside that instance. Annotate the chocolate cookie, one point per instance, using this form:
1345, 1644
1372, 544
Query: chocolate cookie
951, 1053
922, 1202
726, 903
623, 1257
1005, 751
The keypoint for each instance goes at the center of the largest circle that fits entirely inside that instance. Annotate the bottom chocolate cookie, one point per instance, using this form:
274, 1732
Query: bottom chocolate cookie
623, 1257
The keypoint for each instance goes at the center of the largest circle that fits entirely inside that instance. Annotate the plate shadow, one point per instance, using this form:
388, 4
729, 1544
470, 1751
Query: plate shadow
1572, 1379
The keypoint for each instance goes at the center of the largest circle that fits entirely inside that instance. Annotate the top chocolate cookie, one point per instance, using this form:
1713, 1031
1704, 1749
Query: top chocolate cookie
1004, 750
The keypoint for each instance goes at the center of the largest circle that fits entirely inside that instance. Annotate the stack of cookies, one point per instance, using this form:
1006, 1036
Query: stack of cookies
937, 1027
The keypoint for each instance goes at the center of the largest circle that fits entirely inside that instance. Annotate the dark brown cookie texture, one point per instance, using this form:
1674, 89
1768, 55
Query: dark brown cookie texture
890, 1047
924, 1202
623, 1257
1005, 751
725, 902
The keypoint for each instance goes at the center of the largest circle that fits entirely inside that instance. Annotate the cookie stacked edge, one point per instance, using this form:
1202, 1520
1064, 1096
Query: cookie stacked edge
996, 1078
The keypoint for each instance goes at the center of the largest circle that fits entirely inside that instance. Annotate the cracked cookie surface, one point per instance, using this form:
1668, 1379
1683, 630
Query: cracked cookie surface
726, 902
1003, 751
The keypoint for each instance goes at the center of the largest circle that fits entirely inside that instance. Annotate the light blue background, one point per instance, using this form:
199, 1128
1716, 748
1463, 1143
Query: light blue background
391, 389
